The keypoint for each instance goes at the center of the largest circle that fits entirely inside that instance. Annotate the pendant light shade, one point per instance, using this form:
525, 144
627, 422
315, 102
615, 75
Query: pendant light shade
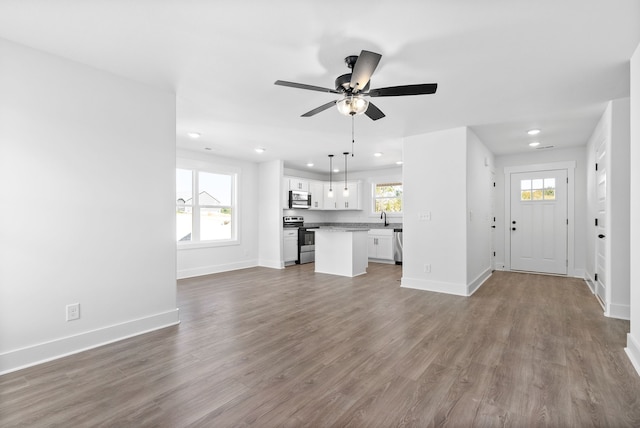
330, 193
345, 192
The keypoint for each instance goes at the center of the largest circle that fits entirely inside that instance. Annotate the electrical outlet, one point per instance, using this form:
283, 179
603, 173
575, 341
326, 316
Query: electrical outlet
427, 268
73, 311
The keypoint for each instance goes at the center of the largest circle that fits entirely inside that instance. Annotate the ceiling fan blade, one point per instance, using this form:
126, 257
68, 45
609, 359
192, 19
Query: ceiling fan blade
303, 86
374, 112
363, 69
396, 91
321, 108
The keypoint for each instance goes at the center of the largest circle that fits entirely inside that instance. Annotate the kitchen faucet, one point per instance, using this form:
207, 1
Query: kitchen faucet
386, 223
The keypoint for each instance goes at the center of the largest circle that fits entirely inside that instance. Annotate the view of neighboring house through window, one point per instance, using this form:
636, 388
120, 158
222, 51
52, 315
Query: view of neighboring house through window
388, 197
204, 206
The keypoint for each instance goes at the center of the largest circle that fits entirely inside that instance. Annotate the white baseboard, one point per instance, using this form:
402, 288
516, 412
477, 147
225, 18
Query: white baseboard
208, 270
633, 352
41, 353
578, 273
476, 283
436, 286
622, 312
273, 264
590, 283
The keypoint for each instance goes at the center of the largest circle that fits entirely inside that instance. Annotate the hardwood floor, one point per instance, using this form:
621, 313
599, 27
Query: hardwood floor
291, 348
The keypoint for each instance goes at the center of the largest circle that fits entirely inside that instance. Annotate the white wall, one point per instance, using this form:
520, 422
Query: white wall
619, 200
435, 180
480, 165
194, 260
633, 338
87, 177
536, 157
270, 197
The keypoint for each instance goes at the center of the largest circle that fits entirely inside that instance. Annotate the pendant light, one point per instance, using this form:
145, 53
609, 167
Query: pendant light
345, 192
330, 193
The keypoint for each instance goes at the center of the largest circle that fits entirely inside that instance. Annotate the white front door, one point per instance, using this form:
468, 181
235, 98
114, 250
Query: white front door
538, 223
601, 215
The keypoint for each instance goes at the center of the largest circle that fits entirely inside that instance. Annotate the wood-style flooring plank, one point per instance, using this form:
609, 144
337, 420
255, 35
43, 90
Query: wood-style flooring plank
292, 348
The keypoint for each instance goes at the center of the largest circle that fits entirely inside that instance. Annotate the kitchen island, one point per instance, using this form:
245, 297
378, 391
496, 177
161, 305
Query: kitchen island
341, 251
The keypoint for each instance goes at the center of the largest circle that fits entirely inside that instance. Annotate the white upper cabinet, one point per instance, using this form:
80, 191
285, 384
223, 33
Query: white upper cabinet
316, 188
298, 184
319, 191
341, 202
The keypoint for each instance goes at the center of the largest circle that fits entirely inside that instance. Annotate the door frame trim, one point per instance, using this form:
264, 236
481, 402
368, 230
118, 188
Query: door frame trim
570, 166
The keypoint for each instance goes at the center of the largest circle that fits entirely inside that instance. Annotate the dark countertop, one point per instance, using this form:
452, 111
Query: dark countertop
397, 227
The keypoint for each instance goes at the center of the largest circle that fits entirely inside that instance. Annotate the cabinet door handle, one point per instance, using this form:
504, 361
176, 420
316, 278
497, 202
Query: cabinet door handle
601, 236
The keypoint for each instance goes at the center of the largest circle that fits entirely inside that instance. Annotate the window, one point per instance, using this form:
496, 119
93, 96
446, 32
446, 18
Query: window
388, 197
540, 189
205, 206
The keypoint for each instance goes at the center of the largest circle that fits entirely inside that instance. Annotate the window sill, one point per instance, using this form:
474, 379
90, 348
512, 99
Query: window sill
206, 244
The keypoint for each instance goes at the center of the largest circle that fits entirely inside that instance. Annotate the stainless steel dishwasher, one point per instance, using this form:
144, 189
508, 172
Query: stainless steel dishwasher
397, 246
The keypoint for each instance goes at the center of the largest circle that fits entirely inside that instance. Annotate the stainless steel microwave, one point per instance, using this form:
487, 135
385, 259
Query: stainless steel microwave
299, 199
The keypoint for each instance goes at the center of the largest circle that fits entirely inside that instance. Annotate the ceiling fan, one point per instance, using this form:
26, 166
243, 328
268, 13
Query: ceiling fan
354, 87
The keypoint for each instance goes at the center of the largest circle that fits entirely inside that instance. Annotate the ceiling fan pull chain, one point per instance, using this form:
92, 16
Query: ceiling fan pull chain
353, 140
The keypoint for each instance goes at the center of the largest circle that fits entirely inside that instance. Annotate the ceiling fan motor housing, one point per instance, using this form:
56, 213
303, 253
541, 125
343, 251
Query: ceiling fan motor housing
351, 60
343, 83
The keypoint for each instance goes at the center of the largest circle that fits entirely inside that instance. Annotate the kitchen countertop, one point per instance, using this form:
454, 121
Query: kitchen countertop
340, 229
397, 227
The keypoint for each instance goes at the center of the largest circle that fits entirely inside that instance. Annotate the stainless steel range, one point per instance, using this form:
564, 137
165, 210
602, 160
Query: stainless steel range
306, 238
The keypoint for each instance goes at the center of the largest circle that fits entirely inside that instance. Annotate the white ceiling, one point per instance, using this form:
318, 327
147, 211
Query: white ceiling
502, 67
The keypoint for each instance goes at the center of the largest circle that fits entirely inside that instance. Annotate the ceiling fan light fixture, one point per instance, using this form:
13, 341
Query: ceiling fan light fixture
352, 105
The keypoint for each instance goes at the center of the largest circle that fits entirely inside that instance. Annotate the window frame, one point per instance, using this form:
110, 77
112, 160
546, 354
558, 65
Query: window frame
389, 181
196, 168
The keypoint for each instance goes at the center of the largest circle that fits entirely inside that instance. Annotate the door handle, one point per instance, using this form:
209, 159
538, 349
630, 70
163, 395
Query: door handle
601, 236
513, 228
493, 227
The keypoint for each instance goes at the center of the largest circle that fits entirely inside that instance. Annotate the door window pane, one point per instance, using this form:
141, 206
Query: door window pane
550, 188
537, 194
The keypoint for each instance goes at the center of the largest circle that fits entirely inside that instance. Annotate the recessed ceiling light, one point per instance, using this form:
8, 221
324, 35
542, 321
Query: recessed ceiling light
261, 150
533, 131
399, 163
310, 164
534, 144
193, 135
336, 170
377, 154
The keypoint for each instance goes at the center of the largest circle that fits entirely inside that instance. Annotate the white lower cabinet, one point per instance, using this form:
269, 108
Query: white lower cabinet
380, 244
290, 240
